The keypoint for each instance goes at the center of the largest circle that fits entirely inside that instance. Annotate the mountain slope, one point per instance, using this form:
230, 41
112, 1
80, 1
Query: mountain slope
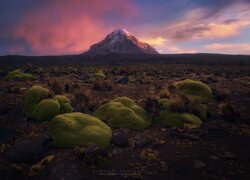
120, 41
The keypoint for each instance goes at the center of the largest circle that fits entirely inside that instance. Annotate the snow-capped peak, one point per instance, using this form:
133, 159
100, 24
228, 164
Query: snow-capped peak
120, 41
121, 32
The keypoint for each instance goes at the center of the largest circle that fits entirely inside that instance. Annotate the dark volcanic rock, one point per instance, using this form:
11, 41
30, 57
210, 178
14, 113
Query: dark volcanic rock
143, 140
217, 133
120, 138
123, 80
29, 150
7, 134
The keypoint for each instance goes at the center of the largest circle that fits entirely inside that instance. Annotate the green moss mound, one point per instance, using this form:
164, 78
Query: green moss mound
175, 119
174, 104
99, 76
78, 129
37, 105
65, 104
33, 97
46, 110
193, 88
18, 75
123, 112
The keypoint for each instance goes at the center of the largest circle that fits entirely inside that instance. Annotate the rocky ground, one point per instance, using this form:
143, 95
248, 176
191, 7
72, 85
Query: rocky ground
220, 149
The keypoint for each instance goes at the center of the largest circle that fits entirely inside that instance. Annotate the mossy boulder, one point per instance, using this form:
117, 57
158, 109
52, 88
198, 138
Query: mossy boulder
175, 119
78, 129
189, 87
37, 105
18, 75
123, 112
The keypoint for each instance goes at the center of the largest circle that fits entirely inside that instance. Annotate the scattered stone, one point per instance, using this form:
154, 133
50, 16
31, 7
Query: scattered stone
123, 80
7, 134
143, 140
29, 150
64, 169
199, 164
94, 155
120, 138
186, 136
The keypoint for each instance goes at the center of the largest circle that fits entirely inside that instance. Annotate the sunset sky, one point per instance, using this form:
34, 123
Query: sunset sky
52, 27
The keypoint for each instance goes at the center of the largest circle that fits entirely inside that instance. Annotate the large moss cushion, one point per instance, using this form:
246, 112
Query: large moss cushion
123, 112
175, 119
78, 129
19, 75
37, 105
193, 88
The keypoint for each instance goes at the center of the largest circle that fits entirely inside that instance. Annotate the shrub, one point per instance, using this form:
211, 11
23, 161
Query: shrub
190, 87
175, 119
82, 98
19, 75
56, 85
102, 85
228, 112
38, 107
164, 94
78, 129
123, 112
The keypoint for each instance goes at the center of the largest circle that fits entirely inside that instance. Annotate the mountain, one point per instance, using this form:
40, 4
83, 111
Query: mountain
120, 41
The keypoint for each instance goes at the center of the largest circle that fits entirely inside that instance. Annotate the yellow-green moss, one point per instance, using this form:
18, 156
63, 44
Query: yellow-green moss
78, 129
19, 75
65, 104
99, 76
37, 105
123, 112
190, 87
175, 119
33, 97
46, 110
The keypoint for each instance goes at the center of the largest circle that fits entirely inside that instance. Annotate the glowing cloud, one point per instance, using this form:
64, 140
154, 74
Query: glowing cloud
71, 26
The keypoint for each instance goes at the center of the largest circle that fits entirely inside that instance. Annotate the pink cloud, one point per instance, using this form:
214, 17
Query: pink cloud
243, 48
196, 24
70, 26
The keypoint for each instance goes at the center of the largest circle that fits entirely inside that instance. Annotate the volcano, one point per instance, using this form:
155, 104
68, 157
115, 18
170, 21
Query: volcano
120, 41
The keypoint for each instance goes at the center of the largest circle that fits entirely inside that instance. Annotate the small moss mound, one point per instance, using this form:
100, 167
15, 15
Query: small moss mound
18, 75
175, 119
37, 105
99, 76
33, 97
78, 129
65, 104
46, 110
193, 88
123, 112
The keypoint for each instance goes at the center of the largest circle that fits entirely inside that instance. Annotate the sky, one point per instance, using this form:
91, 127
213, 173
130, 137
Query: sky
57, 27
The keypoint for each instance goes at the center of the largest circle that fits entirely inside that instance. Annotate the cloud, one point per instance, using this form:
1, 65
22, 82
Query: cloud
243, 48
70, 26
196, 24
165, 46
